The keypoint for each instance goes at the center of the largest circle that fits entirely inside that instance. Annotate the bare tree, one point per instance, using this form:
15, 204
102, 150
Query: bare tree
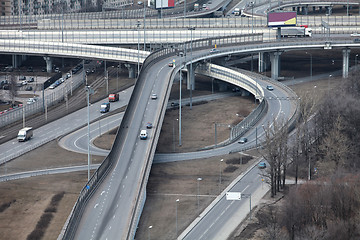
275, 153
12, 89
334, 148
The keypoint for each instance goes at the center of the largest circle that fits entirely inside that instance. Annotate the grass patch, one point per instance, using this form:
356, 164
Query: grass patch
5, 206
239, 160
46, 218
230, 169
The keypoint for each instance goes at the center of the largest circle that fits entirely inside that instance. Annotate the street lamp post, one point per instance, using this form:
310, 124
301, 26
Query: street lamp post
174, 134
198, 188
310, 64
177, 202
138, 63
150, 227
88, 92
191, 67
221, 161
180, 107
356, 59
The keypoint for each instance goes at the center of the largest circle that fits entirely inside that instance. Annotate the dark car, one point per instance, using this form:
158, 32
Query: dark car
262, 165
28, 88
105, 107
149, 125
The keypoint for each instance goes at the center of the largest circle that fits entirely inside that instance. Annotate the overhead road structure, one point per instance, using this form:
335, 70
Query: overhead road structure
179, 11
263, 7
141, 111
81, 51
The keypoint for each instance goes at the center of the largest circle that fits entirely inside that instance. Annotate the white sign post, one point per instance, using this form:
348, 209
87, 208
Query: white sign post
233, 196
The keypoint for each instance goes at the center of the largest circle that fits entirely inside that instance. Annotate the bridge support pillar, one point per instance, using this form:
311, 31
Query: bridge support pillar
190, 77
263, 62
320, 9
48, 64
305, 11
131, 68
275, 64
17, 60
329, 10
346, 55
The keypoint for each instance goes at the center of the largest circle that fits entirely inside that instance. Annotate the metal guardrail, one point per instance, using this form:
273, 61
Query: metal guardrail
57, 95
169, 23
243, 81
71, 49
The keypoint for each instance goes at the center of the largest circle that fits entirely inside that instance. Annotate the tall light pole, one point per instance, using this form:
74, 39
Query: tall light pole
177, 202
150, 227
174, 134
191, 67
356, 59
310, 64
184, 10
198, 188
220, 165
138, 63
180, 107
88, 92
144, 26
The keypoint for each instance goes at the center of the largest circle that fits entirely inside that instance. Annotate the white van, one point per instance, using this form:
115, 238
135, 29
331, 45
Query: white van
25, 134
143, 135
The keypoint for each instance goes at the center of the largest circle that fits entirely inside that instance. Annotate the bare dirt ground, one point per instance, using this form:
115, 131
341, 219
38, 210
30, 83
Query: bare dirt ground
24, 201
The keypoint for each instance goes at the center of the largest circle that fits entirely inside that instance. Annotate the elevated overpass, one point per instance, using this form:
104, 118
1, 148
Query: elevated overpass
125, 171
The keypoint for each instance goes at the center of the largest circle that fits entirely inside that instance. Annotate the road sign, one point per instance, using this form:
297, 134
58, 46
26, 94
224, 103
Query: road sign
233, 196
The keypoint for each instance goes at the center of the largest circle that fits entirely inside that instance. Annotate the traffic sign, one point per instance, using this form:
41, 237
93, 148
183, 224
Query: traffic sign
233, 196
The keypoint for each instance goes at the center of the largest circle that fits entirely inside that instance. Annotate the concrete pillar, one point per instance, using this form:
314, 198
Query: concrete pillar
131, 68
17, 60
48, 64
190, 78
261, 62
264, 62
314, 9
346, 55
320, 8
275, 64
305, 10
329, 10
222, 86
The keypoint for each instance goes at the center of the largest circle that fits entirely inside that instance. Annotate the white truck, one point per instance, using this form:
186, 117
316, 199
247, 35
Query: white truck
296, 32
25, 134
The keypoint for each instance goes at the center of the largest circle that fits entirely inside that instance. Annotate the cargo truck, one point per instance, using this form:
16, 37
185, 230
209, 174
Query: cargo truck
25, 134
296, 32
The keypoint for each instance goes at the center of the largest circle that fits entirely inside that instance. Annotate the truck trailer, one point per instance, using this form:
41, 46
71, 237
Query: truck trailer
296, 32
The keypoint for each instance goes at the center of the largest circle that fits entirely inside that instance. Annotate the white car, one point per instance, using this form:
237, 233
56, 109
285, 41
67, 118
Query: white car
153, 96
355, 34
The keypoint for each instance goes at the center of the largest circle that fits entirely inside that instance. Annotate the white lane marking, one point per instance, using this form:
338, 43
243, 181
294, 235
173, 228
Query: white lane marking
96, 205
102, 193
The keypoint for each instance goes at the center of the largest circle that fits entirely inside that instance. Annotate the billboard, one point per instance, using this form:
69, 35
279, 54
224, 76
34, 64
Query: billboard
281, 19
164, 4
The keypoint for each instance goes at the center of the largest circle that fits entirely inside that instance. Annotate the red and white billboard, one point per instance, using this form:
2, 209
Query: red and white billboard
281, 19
164, 4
